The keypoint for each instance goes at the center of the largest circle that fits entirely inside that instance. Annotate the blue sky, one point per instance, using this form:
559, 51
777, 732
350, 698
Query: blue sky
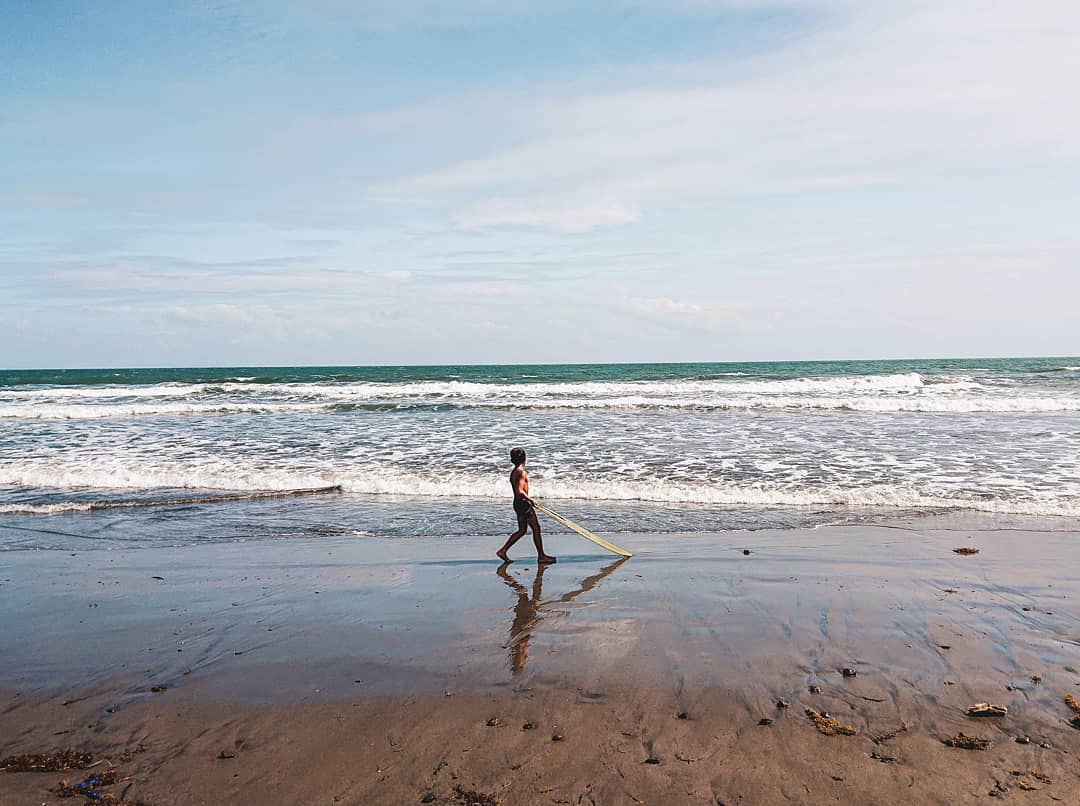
270, 182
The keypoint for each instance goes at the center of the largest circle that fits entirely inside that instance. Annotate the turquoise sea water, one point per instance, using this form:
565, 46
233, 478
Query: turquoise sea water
630, 447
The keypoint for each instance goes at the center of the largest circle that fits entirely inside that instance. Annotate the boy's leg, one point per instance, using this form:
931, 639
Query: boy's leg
523, 527
538, 541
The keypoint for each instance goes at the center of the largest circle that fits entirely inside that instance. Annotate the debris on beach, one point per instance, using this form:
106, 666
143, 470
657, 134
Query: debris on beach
966, 550
467, 797
1026, 785
986, 709
159, 688
892, 734
528, 726
883, 759
1070, 701
1036, 679
652, 760
848, 672
88, 786
965, 742
814, 689
765, 721
47, 762
783, 704
828, 725
493, 722
557, 737
682, 715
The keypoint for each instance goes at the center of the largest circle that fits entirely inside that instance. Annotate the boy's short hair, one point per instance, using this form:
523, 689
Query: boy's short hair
517, 456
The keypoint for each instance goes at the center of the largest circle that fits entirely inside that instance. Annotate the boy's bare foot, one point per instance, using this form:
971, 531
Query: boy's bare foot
501, 554
546, 559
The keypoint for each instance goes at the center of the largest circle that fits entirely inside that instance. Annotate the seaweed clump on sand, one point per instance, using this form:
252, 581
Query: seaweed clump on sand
892, 734
966, 550
1070, 701
829, 725
962, 740
470, 798
47, 762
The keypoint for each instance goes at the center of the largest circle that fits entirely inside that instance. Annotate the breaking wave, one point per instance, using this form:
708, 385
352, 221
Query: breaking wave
895, 393
249, 484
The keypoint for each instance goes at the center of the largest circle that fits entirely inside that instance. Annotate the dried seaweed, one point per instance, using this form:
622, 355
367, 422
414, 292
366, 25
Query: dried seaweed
892, 734
1038, 776
1074, 720
828, 725
128, 755
966, 550
469, 798
47, 762
966, 742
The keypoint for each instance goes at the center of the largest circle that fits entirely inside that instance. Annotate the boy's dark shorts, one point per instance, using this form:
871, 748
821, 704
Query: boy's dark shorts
523, 507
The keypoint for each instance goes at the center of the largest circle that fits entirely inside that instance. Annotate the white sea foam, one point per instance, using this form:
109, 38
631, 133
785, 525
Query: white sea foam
86, 411
45, 509
106, 392
393, 482
470, 390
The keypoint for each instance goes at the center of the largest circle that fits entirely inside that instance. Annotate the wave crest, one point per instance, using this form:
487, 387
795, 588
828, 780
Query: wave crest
263, 483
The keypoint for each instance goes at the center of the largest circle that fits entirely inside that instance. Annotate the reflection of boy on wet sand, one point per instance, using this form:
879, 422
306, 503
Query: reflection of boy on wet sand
526, 615
528, 610
523, 506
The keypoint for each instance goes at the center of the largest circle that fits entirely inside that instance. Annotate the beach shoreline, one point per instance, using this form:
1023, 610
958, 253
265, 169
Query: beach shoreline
367, 670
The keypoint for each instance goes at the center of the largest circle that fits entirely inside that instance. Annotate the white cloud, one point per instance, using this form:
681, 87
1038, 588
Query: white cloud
700, 315
892, 95
661, 306
561, 220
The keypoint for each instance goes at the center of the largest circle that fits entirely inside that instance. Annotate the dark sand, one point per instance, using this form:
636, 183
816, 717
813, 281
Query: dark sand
365, 671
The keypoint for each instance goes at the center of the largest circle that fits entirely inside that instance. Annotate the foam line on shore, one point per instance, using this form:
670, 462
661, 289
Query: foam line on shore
93, 506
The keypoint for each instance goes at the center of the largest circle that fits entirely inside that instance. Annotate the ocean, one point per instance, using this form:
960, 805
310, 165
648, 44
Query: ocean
97, 459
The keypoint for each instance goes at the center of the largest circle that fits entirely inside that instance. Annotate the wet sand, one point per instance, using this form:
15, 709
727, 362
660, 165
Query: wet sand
367, 671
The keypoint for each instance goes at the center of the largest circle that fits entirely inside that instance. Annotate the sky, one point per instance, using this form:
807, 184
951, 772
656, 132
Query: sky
514, 181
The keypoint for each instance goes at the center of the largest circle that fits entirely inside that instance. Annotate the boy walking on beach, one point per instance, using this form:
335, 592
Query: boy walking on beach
523, 506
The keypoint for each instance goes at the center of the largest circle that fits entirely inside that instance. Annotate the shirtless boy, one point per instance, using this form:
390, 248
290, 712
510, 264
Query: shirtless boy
523, 506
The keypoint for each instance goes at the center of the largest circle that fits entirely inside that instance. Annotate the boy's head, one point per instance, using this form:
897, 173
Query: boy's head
517, 456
